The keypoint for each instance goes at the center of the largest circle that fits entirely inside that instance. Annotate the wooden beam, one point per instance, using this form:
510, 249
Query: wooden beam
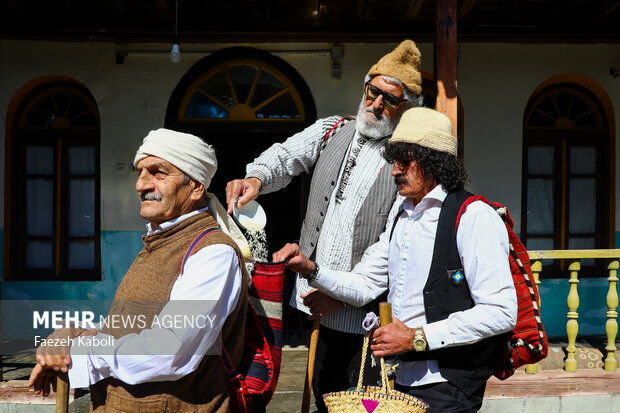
466, 8
164, 10
445, 60
361, 9
117, 8
413, 8
17, 7
511, 10
611, 7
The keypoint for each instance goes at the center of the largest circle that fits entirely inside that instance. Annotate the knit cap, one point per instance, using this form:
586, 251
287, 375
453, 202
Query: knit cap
403, 63
426, 127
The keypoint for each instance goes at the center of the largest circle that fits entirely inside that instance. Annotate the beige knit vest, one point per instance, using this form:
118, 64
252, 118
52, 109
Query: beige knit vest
144, 290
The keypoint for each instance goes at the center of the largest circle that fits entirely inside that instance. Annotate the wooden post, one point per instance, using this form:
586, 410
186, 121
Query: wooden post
572, 326
314, 338
62, 393
611, 326
385, 317
445, 60
536, 269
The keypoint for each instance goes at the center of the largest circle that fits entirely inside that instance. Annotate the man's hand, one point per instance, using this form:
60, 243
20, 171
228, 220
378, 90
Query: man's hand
246, 189
320, 304
394, 338
42, 380
294, 259
54, 358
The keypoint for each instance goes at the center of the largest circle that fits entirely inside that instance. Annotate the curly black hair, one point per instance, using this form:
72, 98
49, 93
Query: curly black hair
448, 170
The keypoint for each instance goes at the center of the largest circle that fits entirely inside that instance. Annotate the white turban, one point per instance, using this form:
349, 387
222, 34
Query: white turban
187, 152
197, 159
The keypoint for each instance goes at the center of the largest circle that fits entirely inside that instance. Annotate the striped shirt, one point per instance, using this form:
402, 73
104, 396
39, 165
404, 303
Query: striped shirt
280, 163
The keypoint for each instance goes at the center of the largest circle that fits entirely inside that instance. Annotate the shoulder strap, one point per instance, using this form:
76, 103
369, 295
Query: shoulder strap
343, 121
395, 221
194, 244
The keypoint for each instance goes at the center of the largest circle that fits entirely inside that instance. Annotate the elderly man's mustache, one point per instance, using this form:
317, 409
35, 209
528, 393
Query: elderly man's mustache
150, 196
398, 180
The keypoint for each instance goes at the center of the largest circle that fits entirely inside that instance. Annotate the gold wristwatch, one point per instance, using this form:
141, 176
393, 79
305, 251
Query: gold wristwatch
419, 341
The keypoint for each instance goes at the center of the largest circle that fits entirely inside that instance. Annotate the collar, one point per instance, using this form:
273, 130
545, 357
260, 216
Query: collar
168, 224
436, 196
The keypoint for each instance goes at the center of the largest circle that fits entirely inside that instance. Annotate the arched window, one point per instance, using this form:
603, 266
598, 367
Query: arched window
53, 211
566, 170
242, 100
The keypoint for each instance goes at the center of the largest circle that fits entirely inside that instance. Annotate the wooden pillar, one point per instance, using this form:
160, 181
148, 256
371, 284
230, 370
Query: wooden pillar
445, 60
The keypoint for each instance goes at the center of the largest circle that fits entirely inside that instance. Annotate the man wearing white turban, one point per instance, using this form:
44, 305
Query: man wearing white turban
197, 281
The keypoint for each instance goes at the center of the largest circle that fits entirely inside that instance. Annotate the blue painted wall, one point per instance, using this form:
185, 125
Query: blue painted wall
118, 250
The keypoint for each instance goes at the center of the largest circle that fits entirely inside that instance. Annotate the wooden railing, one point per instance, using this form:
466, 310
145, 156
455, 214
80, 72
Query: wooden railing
574, 258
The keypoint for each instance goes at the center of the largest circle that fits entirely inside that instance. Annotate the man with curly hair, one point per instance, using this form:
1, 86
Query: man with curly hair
447, 316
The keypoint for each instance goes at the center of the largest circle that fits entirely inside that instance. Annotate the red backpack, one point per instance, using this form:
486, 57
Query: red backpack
254, 380
527, 342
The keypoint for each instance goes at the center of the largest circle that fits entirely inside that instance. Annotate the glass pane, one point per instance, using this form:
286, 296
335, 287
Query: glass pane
82, 160
76, 108
85, 119
582, 160
267, 86
39, 160
544, 115
217, 86
39, 207
583, 244
201, 106
540, 159
583, 116
540, 244
81, 255
582, 204
39, 254
540, 206
282, 107
81, 208
242, 78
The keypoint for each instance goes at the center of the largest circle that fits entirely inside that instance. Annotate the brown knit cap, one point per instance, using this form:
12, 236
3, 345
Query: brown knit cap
402, 63
427, 128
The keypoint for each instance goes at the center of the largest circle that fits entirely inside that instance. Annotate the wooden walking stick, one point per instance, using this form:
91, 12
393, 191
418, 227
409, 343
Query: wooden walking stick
314, 338
385, 317
62, 393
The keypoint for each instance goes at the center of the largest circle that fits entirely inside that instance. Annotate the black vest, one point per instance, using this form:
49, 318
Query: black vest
468, 367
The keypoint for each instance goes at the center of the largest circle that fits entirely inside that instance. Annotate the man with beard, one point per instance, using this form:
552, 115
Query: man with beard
351, 196
451, 289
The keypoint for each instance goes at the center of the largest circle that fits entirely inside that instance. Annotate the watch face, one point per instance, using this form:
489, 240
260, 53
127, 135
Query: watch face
419, 344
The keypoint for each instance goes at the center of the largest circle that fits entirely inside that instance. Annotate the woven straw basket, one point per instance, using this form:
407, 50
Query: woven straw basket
373, 399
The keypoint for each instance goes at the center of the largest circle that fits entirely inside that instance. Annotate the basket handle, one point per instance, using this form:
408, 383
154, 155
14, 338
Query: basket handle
384, 376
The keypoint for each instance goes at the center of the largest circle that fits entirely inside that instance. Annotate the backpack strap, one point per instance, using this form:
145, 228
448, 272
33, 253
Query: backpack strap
194, 244
343, 121
232, 375
395, 221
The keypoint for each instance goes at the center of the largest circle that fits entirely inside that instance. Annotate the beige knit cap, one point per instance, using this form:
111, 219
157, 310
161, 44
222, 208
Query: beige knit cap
426, 127
403, 63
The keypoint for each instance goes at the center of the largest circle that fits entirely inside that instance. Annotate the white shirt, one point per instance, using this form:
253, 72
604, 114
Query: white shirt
482, 241
212, 277
276, 166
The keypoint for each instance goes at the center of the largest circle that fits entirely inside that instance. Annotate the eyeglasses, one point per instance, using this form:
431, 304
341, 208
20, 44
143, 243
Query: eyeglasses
389, 100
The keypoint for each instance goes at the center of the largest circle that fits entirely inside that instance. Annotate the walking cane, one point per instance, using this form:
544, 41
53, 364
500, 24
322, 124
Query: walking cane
314, 338
62, 393
385, 317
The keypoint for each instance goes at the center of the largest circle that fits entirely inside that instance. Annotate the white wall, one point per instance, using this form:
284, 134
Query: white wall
495, 82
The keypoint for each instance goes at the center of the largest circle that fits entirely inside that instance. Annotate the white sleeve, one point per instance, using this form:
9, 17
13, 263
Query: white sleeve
206, 293
482, 241
281, 162
366, 281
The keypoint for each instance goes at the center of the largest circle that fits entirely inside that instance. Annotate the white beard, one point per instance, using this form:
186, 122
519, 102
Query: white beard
372, 127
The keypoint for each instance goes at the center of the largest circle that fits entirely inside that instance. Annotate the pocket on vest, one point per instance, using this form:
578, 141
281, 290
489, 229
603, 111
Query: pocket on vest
119, 403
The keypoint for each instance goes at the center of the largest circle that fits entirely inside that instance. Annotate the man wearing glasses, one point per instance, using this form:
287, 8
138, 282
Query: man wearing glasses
352, 194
